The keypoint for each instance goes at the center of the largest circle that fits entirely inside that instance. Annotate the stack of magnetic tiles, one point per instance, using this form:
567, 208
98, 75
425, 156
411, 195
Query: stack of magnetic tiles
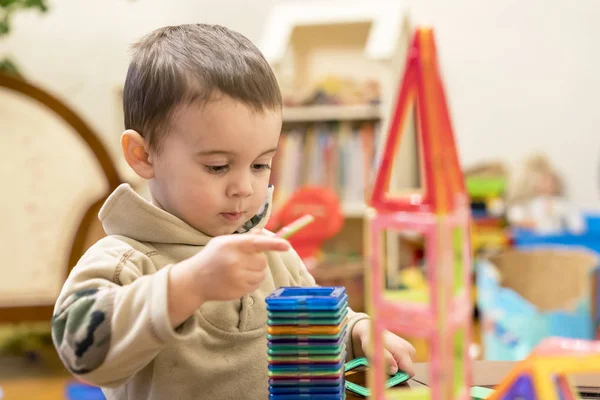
307, 343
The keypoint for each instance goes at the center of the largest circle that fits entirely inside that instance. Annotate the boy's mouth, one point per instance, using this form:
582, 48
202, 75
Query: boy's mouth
233, 217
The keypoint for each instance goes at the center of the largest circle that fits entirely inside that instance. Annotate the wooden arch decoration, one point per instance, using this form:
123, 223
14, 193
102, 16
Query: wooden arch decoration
90, 138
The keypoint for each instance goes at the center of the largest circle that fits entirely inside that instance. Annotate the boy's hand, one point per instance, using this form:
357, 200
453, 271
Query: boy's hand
398, 352
227, 268
234, 265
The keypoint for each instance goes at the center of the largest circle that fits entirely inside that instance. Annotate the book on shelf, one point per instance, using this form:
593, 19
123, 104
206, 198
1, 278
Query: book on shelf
339, 155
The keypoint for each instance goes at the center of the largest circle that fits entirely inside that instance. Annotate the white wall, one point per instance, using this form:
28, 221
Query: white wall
79, 50
521, 76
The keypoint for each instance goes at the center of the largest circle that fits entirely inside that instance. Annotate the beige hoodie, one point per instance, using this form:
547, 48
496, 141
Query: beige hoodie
111, 326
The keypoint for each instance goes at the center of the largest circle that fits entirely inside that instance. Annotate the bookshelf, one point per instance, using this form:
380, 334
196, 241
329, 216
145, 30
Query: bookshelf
338, 154
354, 209
342, 114
310, 44
331, 113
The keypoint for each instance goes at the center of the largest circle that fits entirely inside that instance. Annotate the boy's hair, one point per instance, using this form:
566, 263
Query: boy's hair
180, 65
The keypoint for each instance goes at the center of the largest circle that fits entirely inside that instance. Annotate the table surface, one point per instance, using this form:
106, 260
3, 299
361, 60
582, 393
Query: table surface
20, 381
40, 384
53, 388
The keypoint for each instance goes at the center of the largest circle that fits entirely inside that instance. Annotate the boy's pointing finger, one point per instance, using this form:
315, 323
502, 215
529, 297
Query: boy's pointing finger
260, 243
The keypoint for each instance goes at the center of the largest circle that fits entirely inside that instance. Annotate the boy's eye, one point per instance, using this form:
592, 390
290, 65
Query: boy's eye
260, 167
216, 169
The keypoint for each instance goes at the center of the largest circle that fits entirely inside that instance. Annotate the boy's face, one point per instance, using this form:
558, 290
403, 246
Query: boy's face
213, 168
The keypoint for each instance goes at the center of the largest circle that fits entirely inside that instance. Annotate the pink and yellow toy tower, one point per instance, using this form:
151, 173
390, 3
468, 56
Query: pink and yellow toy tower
544, 374
441, 313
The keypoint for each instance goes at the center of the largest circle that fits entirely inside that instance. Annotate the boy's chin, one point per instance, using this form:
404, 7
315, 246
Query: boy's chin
219, 227
219, 231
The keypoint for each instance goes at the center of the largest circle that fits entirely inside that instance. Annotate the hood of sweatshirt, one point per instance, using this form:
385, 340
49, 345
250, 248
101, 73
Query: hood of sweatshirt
126, 213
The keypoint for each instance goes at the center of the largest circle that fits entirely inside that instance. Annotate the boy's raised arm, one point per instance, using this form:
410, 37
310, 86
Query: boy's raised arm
115, 313
110, 320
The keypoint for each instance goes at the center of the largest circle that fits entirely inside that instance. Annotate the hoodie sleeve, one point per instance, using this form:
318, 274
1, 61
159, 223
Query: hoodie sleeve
111, 317
305, 279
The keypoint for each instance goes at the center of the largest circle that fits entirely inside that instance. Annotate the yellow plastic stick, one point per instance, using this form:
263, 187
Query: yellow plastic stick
295, 226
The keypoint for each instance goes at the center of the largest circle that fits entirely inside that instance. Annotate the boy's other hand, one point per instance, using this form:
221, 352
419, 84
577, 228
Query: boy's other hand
398, 353
227, 268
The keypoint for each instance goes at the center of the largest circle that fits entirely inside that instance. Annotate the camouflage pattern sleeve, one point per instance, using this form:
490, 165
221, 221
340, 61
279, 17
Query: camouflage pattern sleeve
111, 318
81, 330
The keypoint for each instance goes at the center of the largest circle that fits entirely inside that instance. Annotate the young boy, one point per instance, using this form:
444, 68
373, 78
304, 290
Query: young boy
171, 304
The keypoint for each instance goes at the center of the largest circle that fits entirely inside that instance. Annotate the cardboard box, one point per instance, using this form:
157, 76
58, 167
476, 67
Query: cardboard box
527, 295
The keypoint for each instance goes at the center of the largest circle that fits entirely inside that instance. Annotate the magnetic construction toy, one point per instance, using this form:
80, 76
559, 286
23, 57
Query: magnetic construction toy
440, 311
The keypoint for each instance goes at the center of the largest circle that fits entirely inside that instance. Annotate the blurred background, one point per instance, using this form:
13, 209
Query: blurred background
521, 81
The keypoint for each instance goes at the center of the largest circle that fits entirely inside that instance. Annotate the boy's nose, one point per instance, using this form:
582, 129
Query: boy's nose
240, 188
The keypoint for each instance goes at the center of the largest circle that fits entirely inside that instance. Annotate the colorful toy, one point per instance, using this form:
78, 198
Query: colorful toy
544, 374
480, 393
440, 313
361, 362
486, 188
306, 336
320, 202
538, 202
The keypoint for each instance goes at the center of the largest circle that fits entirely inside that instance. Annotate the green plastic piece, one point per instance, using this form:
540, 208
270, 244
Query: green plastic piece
357, 389
357, 362
396, 379
480, 393
485, 187
306, 350
309, 314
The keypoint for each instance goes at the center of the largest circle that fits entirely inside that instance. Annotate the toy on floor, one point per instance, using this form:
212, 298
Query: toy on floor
307, 343
537, 201
545, 373
486, 187
440, 313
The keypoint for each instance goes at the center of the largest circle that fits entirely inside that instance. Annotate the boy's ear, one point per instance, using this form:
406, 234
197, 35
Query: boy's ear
136, 154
